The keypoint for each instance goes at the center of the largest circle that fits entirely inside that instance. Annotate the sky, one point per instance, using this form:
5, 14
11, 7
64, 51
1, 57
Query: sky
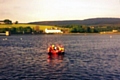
25, 11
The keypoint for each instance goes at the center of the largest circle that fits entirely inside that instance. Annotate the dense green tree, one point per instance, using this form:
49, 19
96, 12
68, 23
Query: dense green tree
2, 30
77, 29
88, 29
20, 30
13, 30
73, 30
16, 22
27, 30
7, 21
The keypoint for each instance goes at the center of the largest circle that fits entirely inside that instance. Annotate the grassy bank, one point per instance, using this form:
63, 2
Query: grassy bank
41, 27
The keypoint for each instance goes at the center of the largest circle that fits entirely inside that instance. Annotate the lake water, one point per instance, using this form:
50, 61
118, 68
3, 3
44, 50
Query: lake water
87, 57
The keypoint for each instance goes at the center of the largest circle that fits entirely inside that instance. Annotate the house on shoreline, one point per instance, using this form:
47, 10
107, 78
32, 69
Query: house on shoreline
7, 33
53, 31
2, 22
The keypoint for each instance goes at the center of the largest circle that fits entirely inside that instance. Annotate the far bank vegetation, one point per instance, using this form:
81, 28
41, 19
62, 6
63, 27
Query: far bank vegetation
17, 28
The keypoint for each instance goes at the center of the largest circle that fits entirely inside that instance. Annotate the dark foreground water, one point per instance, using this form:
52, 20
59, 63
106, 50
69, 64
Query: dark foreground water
88, 57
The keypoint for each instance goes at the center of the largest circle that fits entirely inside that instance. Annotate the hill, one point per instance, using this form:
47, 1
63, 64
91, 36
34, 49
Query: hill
92, 21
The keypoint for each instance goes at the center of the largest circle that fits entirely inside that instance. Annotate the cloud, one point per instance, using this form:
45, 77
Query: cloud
4, 1
56, 9
4, 13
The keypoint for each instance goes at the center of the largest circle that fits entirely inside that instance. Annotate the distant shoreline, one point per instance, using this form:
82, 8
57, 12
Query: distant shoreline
68, 34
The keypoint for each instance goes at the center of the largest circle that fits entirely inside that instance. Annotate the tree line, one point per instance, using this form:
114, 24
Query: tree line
17, 30
8, 21
90, 29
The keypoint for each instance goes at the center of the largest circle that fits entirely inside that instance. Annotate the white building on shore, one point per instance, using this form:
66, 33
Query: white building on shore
53, 31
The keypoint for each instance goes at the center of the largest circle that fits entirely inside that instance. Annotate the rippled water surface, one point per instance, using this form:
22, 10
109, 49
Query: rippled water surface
87, 57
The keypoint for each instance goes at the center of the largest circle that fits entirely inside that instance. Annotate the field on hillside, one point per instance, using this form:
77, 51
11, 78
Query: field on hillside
41, 27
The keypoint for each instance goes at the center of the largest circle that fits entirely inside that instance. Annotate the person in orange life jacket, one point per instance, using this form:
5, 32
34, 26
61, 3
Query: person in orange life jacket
51, 48
62, 48
58, 47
